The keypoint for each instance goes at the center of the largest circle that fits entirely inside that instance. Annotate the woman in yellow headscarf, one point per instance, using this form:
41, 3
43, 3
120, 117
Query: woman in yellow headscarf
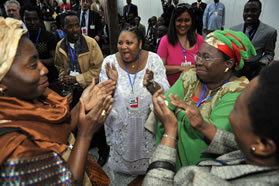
35, 122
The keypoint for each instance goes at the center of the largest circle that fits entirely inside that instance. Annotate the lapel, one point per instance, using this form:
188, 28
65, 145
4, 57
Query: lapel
259, 33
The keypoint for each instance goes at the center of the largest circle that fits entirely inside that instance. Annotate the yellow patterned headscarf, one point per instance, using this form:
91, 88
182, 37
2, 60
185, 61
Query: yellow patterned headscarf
235, 44
10, 33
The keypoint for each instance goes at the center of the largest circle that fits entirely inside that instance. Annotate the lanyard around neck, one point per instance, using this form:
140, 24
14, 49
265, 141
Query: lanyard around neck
252, 34
183, 50
73, 54
201, 101
132, 83
38, 36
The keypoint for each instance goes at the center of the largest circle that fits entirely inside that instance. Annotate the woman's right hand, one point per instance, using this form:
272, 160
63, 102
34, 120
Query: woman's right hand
111, 72
164, 114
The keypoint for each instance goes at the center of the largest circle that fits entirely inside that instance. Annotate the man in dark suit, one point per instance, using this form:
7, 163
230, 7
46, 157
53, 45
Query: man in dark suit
262, 36
198, 10
130, 9
90, 21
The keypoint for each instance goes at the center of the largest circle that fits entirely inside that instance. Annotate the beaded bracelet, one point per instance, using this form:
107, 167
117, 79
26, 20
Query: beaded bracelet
171, 137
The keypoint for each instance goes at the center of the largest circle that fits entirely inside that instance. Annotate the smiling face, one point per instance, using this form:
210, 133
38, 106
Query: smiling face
26, 78
128, 46
183, 23
241, 123
213, 70
32, 20
72, 28
251, 13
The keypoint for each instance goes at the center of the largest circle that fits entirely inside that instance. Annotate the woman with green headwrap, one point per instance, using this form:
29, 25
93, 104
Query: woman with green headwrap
211, 88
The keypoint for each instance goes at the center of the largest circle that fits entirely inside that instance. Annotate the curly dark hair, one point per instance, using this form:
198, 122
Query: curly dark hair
263, 105
172, 36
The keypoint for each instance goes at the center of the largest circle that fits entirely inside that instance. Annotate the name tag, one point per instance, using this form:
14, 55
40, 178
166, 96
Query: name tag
133, 102
74, 73
84, 30
186, 63
215, 13
92, 27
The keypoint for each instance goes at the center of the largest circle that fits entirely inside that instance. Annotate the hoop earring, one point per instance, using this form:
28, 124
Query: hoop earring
227, 69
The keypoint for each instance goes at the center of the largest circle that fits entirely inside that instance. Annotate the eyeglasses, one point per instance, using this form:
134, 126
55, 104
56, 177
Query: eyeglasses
207, 59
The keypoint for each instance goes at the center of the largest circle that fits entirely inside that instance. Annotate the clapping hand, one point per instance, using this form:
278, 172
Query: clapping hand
91, 94
164, 114
111, 72
192, 112
90, 122
148, 77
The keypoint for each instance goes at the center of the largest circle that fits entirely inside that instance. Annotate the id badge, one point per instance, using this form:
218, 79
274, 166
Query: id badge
133, 102
186, 63
215, 13
92, 27
74, 73
84, 30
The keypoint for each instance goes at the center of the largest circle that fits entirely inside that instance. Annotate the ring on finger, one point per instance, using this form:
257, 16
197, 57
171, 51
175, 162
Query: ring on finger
103, 113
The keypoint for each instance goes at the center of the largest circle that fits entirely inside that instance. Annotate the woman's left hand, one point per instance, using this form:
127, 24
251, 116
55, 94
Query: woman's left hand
164, 114
148, 77
92, 92
193, 114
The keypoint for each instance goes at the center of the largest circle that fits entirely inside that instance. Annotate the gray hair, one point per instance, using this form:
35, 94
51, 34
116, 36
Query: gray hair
10, 2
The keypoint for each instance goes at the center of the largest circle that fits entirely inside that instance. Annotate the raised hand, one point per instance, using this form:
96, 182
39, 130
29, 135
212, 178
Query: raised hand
164, 114
90, 122
91, 94
148, 77
111, 72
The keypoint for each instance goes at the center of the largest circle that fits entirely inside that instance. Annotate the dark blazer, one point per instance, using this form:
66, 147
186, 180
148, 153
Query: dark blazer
264, 42
198, 12
133, 10
94, 24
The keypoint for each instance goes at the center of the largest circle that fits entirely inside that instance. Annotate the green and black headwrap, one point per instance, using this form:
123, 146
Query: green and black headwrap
235, 44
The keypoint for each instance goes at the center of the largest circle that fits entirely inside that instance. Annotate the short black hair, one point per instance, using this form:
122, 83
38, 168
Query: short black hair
172, 36
31, 7
263, 105
257, 1
136, 31
66, 14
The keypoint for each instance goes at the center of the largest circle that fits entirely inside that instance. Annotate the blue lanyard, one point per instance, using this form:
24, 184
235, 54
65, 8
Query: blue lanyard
132, 83
184, 51
225, 163
203, 90
252, 34
73, 54
37, 39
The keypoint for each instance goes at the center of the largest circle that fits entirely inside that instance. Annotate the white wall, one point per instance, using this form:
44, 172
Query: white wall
234, 10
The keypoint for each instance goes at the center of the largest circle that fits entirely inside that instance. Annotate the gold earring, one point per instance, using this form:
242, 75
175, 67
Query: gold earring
253, 149
227, 69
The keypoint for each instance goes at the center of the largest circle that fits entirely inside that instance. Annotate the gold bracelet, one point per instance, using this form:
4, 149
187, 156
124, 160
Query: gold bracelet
171, 137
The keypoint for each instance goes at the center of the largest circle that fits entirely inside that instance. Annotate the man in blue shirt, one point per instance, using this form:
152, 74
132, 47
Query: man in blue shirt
214, 17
